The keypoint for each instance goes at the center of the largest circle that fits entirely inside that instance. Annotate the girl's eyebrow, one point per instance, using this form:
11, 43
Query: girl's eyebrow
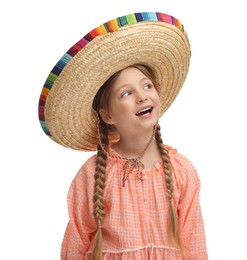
120, 89
127, 85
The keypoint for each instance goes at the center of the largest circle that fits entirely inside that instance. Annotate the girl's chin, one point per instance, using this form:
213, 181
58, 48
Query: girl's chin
149, 120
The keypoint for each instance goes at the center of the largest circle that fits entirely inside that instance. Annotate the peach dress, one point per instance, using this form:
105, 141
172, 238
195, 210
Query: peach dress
135, 223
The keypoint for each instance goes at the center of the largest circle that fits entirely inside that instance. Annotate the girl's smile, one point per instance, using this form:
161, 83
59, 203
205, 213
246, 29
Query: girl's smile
145, 112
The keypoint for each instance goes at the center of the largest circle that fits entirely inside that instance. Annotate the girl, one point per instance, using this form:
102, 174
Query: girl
136, 198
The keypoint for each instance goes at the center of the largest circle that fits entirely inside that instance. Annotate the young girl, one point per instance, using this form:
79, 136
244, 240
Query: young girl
136, 198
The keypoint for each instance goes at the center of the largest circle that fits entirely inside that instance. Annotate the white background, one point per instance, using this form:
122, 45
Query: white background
206, 122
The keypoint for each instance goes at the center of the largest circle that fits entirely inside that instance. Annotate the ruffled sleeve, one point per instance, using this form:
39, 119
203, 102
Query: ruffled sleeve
191, 225
81, 226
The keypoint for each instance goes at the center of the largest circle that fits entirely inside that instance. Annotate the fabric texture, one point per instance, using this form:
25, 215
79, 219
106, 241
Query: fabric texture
135, 223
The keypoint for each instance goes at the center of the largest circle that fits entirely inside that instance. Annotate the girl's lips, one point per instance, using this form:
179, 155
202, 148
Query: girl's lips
144, 111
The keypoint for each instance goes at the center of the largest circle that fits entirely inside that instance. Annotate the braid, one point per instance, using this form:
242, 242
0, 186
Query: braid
173, 218
167, 164
99, 188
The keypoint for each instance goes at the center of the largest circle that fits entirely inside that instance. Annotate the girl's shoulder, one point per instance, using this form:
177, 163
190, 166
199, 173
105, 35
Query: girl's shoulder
184, 170
89, 163
86, 171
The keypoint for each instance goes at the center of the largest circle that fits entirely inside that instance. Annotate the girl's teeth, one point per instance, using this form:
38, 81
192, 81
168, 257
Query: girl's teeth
144, 111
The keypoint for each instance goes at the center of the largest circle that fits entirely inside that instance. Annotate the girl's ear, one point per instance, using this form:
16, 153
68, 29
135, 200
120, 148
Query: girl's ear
105, 115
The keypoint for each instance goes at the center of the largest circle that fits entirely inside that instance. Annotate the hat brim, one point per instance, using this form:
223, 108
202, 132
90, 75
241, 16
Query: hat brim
164, 47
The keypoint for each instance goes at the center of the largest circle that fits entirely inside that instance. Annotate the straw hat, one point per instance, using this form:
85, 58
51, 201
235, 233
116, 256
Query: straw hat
154, 39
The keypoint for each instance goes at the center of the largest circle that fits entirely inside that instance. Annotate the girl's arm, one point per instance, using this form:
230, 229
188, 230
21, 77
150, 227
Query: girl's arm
81, 226
73, 246
191, 225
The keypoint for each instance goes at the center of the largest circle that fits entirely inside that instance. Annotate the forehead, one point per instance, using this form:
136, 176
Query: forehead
129, 76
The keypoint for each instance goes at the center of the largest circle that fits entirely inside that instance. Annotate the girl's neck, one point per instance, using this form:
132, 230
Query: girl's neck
131, 146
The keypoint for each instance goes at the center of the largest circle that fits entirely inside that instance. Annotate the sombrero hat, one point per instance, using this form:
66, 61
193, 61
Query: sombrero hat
154, 39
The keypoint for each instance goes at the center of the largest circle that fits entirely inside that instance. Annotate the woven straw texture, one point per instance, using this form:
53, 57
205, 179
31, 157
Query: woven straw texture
155, 39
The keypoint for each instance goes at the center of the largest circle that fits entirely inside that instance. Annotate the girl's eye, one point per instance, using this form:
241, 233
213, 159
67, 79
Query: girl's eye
148, 86
126, 94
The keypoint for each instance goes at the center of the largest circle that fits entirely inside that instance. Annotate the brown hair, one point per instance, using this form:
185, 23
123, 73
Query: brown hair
101, 101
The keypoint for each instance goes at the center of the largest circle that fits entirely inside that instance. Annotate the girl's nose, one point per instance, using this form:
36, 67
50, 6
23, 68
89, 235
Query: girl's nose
141, 98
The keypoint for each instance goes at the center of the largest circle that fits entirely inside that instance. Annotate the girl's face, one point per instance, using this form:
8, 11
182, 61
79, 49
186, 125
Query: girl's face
134, 102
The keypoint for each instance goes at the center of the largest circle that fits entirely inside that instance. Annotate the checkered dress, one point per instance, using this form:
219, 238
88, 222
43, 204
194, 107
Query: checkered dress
135, 223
